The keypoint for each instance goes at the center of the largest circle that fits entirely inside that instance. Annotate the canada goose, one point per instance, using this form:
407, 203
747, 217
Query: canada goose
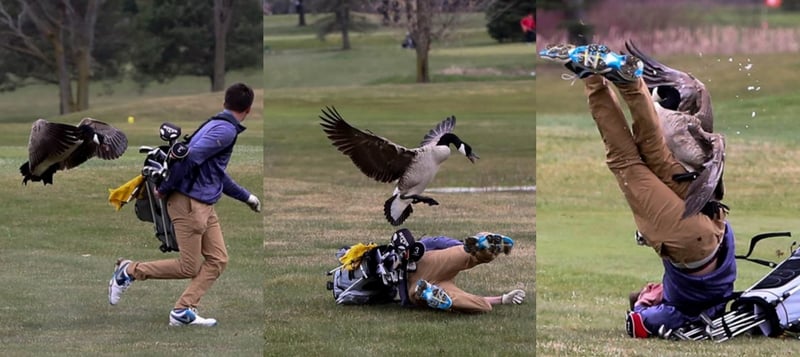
682, 91
683, 105
385, 161
56, 146
701, 153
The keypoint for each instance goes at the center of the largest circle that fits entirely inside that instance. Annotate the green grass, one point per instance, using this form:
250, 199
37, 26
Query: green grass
319, 201
298, 59
58, 243
583, 218
26, 104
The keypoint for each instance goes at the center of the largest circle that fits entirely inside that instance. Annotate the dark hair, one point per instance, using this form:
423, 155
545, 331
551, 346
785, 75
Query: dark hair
238, 97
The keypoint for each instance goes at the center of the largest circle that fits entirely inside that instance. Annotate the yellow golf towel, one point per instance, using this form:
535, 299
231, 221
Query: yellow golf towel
119, 196
352, 259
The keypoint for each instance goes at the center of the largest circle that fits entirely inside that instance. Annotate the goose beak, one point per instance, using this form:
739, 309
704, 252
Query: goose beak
472, 157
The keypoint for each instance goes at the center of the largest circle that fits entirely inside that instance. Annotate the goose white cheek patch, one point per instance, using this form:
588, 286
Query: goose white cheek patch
462, 149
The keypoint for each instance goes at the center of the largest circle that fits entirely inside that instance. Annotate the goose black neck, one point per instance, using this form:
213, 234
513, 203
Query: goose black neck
86, 131
670, 97
448, 139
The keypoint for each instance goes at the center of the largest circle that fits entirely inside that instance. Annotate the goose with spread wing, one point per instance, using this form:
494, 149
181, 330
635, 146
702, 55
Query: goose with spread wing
57, 146
683, 106
385, 161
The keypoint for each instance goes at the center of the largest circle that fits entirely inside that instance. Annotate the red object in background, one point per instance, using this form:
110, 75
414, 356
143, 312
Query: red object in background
528, 23
772, 3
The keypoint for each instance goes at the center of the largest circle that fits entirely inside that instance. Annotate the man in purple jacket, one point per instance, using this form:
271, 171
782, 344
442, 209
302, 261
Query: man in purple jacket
697, 251
194, 184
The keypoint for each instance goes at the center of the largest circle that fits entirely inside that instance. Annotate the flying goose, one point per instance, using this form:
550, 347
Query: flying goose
56, 146
683, 105
385, 161
682, 91
701, 153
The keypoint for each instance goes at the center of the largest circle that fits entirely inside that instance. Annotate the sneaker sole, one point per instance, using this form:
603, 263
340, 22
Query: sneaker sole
557, 53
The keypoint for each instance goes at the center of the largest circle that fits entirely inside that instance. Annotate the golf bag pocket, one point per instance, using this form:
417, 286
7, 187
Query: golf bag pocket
775, 298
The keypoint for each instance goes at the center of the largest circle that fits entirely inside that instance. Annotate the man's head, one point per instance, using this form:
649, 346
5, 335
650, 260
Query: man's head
239, 99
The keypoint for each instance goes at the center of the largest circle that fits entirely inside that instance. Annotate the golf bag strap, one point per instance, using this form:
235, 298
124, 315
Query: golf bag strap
757, 238
196, 169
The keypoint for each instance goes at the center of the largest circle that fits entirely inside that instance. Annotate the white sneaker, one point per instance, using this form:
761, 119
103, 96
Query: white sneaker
185, 317
120, 281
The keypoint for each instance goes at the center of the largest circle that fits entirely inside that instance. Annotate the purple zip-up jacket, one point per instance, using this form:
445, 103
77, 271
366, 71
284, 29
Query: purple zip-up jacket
201, 174
686, 296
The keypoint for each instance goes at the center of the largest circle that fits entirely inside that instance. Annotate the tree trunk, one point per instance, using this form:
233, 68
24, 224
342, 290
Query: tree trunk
84, 76
51, 27
222, 21
84, 30
343, 19
422, 39
301, 13
66, 105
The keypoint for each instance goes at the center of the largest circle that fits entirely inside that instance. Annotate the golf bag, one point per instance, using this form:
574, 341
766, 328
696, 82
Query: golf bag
770, 307
370, 283
148, 207
381, 274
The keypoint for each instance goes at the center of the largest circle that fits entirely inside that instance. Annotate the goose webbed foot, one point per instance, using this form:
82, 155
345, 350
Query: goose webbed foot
418, 198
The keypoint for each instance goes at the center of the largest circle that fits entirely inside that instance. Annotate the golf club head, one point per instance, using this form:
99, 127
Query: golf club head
169, 132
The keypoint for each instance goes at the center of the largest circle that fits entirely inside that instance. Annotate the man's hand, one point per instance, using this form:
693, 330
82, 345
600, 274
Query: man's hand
254, 203
515, 297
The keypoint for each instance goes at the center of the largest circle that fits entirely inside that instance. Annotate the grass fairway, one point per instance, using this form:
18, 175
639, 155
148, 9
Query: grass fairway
318, 201
59, 243
587, 258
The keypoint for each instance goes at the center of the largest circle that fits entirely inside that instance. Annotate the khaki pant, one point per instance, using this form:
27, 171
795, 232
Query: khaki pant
440, 267
203, 256
644, 166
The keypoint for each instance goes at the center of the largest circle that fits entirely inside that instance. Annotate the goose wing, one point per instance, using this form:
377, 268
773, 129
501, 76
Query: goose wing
433, 136
50, 141
702, 189
695, 98
375, 156
114, 142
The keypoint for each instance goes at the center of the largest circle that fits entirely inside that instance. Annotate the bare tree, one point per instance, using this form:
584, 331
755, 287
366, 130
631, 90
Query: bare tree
222, 22
63, 36
82, 27
343, 19
427, 22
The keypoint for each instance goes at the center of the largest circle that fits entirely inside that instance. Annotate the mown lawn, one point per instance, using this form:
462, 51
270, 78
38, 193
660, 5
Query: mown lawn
319, 201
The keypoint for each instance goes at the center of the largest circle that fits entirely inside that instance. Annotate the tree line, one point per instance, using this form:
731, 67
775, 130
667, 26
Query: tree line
71, 43
425, 21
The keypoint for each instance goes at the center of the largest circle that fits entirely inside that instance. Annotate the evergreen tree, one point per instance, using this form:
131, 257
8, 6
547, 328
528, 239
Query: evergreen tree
503, 17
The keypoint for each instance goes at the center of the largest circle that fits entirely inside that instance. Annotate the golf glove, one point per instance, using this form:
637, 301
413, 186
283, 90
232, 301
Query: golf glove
254, 203
515, 297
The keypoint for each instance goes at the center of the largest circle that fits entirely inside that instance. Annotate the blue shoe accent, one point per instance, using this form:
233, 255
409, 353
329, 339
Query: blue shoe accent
495, 243
184, 316
433, 295
595, 59
188, 316
120, 281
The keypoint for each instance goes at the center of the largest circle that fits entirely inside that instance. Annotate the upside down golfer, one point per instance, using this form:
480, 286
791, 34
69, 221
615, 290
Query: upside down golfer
697, 251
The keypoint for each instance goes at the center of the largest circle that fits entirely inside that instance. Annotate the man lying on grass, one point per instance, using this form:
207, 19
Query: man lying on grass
420, 273
697, 251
